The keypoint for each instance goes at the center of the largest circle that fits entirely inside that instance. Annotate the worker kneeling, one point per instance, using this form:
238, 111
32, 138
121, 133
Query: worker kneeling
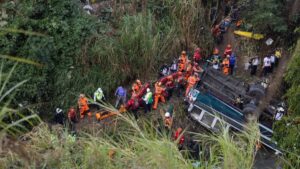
158, 95
192, 80
83, 106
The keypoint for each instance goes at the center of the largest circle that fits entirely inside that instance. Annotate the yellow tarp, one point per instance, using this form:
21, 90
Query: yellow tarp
249, 35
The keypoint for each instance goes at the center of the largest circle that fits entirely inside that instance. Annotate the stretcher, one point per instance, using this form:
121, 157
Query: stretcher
249, 35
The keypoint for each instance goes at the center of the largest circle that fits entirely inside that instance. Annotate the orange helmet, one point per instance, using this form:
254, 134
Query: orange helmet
216, 51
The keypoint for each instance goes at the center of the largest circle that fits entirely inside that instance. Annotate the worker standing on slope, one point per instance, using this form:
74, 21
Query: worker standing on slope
168, 121
170, 86
278, 56
179, 138
232, 60
99, 96
184, 59
158, 96
197, 68
197, 55
192, 80
121, 96
225, 65
228, 50
148, 99
180, 83
83, 106
267, 65
72, 119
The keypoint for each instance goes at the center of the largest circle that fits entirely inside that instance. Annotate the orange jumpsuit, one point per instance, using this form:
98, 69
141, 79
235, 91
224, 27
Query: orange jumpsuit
181, 67
189, 71
158, 96
225, 64
184, 61
83, 106
192, 80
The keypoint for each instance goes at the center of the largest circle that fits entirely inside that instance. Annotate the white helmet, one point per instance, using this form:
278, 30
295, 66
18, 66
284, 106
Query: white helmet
99, 90
58, 110
167, 114
148, 90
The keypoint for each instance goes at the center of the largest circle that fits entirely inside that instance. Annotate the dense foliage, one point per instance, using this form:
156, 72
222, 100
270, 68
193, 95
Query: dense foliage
267, 16
80, 53
287, 130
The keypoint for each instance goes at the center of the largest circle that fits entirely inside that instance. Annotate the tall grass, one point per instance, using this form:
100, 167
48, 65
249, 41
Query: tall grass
230, 151
133, 146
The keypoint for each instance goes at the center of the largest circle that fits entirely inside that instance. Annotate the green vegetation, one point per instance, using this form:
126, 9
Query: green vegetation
79, 53
287, 130
135, 146
267, 16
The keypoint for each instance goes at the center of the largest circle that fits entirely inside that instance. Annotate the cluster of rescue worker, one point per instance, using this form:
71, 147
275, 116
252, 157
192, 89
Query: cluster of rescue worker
180, 77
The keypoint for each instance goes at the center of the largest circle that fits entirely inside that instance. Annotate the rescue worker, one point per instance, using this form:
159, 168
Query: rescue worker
72, 118
272, 59
59, 116
158, 96
168, 121
139, 83
217, 34
225, 65
181, 65
197, 55
189, 70
179, 138
215, 63
174, 67
254, 65
197, 68
170, 86
180, 83
99, 96
148, 100
164, 70
266, 65
228, 50
239, 102
121, 96
232, 59
277, 56
192, 80
83, 106
184, 59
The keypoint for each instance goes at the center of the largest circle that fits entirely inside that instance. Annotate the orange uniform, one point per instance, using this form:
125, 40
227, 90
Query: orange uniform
158, 95
83, 106
192, 80
181, 66
168, 122
189, 70
225, 64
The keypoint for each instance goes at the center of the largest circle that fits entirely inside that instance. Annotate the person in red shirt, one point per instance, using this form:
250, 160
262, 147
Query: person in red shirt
228, 50
197, 55
72, 118
178, 136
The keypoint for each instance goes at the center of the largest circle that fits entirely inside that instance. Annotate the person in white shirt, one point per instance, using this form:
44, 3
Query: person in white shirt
272, 59
267, 65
